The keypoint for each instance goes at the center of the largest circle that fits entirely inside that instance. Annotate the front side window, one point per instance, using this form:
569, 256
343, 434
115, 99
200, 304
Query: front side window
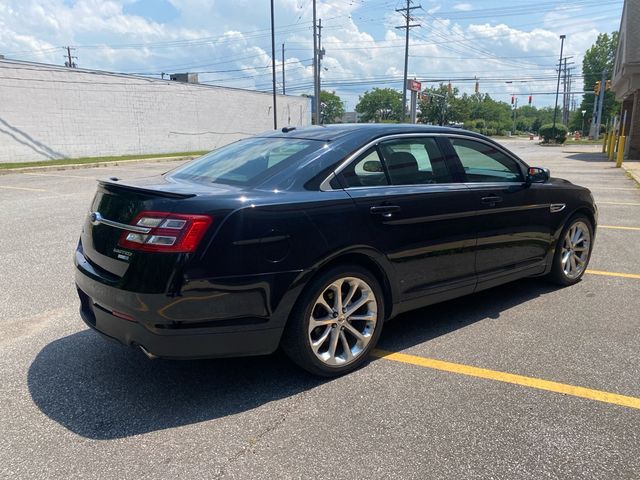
415, 161
485, 163
246, 162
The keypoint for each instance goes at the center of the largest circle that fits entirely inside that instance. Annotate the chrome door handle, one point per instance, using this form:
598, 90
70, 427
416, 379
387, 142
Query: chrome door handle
491, 200
386, 211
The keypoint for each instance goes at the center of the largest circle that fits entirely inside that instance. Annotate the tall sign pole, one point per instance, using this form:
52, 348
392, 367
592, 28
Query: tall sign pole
555, 109
600, 104
273, 69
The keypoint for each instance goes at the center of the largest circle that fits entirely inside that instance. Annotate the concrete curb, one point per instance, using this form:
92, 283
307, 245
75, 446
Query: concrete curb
75, 166
633, 169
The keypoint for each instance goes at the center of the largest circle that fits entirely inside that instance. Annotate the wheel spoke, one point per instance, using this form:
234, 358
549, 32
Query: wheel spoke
565, 256
315, 345
362, 318
354, 331
353, 286
322, 302
366, 297
317, 322
333, 342
337, 295
345, 346
572, 261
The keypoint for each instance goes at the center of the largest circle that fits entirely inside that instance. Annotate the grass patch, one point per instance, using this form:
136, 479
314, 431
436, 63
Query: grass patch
571, 141
76, 161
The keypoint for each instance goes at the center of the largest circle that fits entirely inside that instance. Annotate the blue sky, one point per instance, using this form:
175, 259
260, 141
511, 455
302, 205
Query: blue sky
228, 42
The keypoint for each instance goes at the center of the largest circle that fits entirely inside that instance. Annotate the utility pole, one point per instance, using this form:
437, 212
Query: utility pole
407, 15
316, 86
320, 57
69, 62
283, 85
555, 109
273, 69
564, 91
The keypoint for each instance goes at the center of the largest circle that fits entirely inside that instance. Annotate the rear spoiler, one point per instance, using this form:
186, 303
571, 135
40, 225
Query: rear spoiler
113, 185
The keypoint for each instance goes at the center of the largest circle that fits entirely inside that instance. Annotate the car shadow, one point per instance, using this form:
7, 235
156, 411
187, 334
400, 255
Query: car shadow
101, 390
597, 157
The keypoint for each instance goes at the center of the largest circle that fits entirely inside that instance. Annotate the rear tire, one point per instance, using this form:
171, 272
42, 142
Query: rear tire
573, 251
336, 322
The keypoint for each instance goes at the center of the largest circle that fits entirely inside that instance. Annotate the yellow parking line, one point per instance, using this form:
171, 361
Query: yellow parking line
617, 203
531, 382
23, 188
618, 228
613, 274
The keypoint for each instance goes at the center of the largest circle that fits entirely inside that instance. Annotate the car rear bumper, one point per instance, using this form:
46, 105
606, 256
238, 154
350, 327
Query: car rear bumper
181, 346
237, 317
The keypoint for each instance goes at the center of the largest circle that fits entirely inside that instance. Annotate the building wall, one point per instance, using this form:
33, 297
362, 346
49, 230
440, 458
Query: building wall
49, 112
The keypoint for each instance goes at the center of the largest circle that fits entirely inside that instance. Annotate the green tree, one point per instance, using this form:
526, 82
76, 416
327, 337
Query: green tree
440, 107
330, 106
600, 57
380, 105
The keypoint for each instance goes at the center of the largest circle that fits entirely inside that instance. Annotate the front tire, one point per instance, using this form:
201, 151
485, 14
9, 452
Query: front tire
336, 321
573, 251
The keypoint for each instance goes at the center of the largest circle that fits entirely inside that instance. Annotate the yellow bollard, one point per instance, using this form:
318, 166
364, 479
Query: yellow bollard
620, 151
612, 145
605, 141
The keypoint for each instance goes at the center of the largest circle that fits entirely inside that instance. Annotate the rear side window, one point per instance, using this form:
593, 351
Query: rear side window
246, 162
365, 171
485, 163
415, 161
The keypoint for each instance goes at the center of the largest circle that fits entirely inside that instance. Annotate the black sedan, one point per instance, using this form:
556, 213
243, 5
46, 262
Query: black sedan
311, 239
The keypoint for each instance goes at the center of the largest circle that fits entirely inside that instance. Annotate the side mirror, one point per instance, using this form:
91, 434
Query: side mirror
372, 166
538, 175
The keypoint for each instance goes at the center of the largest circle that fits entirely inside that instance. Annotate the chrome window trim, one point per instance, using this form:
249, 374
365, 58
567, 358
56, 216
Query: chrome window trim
324, 186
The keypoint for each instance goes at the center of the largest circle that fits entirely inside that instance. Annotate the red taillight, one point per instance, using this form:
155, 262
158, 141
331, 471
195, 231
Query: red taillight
166, 232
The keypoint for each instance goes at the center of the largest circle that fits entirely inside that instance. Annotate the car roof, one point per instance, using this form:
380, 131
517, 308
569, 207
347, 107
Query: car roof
339, 130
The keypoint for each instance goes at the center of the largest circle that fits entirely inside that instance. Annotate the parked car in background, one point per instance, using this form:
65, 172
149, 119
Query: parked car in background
311, 239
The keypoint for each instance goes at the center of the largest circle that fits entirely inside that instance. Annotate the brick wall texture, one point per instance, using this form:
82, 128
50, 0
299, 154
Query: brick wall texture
49, 112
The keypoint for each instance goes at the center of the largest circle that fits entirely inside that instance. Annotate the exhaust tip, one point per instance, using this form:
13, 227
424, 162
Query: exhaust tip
149, 355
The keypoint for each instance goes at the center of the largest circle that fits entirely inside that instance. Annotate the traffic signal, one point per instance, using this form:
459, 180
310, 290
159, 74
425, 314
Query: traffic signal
449, 89
607, 85
477, 86
596, 88
530, 99
513, 99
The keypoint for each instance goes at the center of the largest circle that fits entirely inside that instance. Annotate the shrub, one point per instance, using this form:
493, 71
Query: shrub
546, 132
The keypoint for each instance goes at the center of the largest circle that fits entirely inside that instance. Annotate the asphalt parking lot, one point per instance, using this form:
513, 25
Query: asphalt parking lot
521, 381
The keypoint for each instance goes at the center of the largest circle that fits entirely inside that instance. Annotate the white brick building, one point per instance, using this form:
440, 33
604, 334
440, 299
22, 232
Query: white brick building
49, 112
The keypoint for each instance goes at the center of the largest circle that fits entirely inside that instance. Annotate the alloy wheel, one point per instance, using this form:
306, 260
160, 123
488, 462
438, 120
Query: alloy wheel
575, 250
342, 321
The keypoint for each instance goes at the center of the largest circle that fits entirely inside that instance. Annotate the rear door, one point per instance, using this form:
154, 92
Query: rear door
416, 215
513, 224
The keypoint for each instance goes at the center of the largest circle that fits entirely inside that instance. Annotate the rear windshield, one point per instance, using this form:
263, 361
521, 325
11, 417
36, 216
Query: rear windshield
246, 162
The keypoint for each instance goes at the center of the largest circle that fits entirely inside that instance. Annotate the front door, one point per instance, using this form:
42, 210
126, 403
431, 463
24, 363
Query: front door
513, 224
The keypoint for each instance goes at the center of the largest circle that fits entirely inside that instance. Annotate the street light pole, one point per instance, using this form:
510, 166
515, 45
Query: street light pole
555, 109
582, 130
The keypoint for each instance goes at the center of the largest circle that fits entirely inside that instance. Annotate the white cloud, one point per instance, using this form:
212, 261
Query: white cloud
463, 7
